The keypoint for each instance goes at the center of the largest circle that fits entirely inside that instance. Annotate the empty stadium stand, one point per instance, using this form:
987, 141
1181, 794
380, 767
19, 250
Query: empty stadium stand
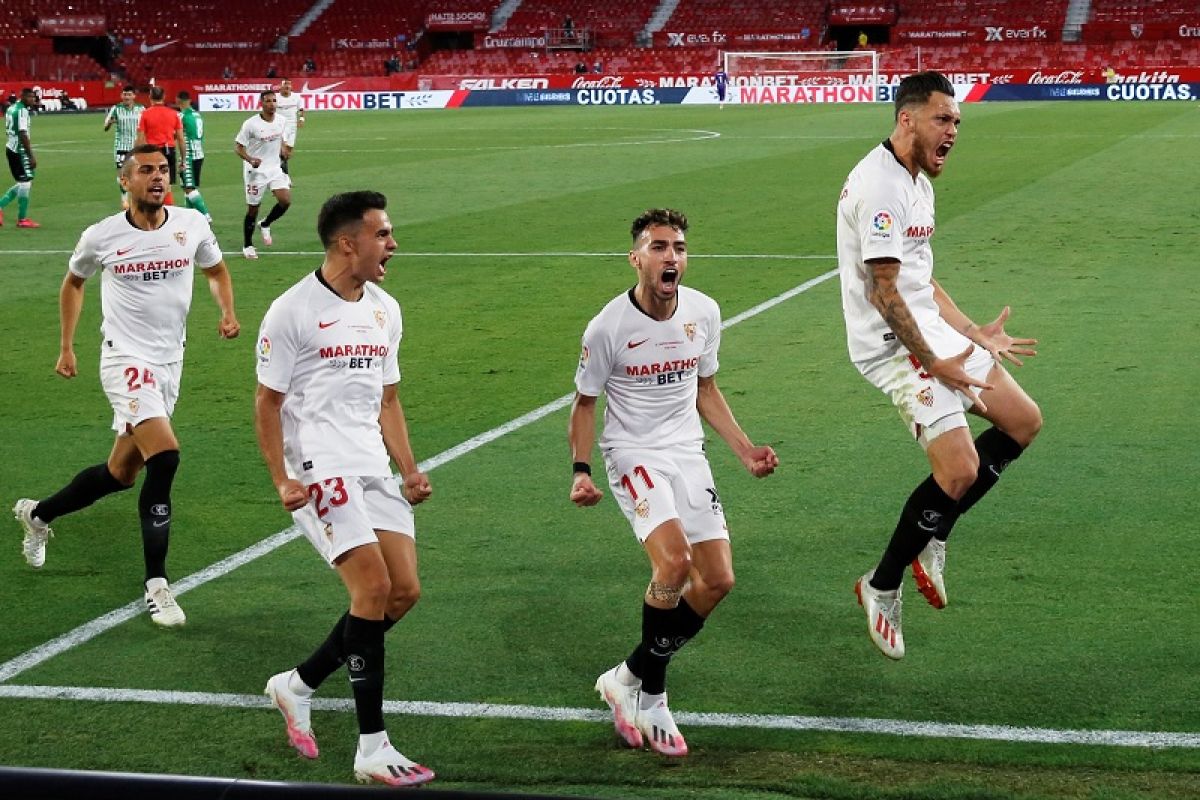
759, 15
211, 38
613, 24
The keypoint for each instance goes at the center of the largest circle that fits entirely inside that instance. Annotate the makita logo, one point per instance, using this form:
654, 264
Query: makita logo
504, 83
918, 231
1158, 76
1000, 33
1066, 76
607, 82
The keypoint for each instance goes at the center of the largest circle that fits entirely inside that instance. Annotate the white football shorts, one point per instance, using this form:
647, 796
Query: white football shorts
928, 407
138, 390
344, 513
260, 184
654, 486
289, 134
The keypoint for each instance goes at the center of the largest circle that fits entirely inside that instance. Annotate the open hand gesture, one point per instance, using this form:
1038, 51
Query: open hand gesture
953, 373
993, 337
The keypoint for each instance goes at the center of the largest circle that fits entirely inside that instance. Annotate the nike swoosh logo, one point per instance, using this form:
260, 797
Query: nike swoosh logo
151, 48
162, 524
324, 325
632, 344
305, 90
123, 252
927, 528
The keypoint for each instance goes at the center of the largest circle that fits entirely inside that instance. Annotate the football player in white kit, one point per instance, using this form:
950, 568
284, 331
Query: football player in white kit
908, 338
259, 144
653, 352
145, 257
328, 418
290, 107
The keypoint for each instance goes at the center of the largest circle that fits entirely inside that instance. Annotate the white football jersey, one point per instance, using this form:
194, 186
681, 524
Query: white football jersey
146, 279
262, 140
649, 370
885, 213
331, 358
288, 107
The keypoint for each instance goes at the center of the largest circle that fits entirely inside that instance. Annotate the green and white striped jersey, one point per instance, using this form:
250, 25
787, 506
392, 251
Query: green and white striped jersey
126, 127
16, 118
193, 133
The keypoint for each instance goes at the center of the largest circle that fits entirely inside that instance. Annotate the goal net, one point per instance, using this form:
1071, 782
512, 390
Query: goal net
856, 71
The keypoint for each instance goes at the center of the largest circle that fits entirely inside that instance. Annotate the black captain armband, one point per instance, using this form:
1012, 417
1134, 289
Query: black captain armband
581, 466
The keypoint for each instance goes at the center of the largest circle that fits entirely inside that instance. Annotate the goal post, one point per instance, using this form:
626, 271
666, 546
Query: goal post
813, 68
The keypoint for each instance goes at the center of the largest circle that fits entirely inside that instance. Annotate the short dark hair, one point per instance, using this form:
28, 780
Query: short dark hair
343, 210
658, 216
27, 90
917, 88
157, 93
263, 94
129, 87
140, 149
184, 95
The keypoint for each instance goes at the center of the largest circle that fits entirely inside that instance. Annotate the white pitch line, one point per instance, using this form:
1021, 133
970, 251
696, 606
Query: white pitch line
90, 630
782, 722
735, 256
112, 619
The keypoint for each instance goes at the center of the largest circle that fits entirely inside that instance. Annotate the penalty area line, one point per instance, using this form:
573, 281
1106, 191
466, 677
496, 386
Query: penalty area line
778, 722
90, 630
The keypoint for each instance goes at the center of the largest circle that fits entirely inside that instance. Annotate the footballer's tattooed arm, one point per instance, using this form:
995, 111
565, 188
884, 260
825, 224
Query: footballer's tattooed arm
886, 297
663, 593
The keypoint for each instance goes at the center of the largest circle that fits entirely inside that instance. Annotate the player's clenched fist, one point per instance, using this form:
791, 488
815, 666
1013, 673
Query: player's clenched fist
292, 495
584, 492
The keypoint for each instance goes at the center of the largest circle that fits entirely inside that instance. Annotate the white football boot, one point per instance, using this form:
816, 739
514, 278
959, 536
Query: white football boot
929, 571
883, 616
160, 602
623, 700
296, 710
36, 532
659, 728
388, 765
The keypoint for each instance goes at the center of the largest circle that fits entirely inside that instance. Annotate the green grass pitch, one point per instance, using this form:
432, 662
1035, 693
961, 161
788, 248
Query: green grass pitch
1073, 599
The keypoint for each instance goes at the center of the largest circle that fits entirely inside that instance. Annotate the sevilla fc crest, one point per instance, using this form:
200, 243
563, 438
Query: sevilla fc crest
181, 237
380, 318
689, 330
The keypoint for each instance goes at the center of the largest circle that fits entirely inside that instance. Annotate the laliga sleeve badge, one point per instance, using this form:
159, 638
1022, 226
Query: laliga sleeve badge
881, 225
